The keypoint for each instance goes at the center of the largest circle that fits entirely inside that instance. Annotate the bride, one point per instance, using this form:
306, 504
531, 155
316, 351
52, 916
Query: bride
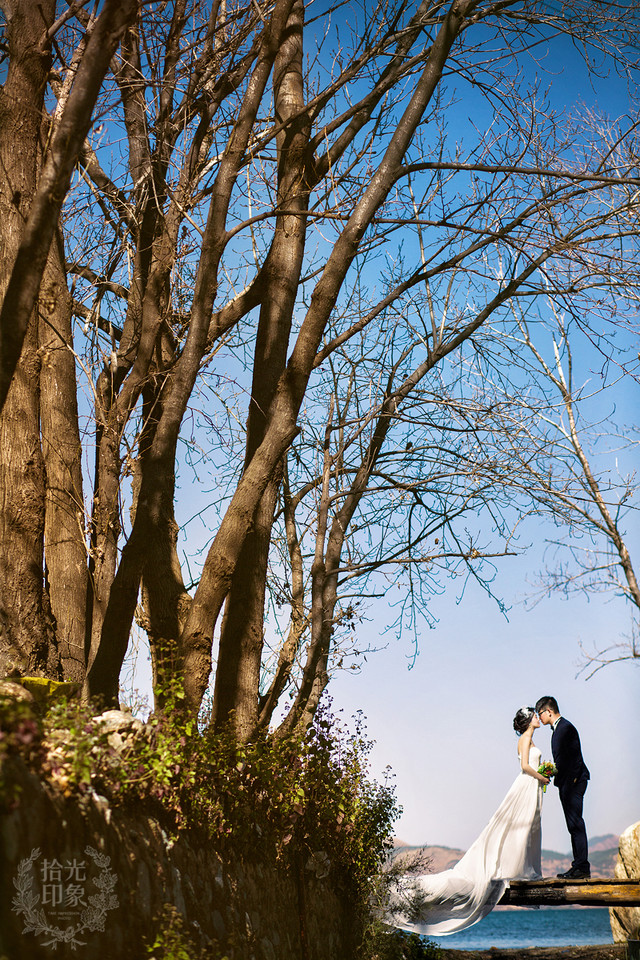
508, 848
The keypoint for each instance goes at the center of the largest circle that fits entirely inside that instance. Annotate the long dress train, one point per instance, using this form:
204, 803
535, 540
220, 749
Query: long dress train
509, 848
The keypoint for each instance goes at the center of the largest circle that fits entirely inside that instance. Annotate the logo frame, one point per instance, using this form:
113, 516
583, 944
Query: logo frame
92, 918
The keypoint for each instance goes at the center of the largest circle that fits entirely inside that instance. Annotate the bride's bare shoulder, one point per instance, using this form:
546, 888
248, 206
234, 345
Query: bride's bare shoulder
524, 741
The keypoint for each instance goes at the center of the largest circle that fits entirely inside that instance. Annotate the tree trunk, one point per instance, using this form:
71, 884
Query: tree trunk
298, 626
64, 540
29, 22
105, 513
116, 586
105, 521
164, 597
242, 635
237, 684
26, 622
28, 641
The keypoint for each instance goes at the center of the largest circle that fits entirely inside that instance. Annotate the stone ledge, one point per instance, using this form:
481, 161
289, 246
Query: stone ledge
241, 909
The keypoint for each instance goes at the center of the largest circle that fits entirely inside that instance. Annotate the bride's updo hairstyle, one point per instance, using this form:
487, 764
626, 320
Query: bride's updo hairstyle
522, 719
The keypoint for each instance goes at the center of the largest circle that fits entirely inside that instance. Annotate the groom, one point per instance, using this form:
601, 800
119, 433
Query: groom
571, 780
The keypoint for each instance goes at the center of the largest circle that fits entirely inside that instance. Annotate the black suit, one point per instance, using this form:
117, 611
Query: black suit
571, 780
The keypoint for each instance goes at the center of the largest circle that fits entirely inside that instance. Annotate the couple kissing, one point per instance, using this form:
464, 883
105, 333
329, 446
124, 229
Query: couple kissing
510, 846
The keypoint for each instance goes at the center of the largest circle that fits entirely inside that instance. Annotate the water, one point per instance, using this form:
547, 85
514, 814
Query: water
546, 927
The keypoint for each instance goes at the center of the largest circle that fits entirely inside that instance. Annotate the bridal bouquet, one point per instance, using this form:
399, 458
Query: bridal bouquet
548, 769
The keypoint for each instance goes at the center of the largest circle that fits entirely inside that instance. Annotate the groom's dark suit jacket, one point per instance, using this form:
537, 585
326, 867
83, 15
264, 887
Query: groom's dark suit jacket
567, 754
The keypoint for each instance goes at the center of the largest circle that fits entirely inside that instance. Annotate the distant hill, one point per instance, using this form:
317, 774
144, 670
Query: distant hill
608, 842
603, 852
432, 859
603, 860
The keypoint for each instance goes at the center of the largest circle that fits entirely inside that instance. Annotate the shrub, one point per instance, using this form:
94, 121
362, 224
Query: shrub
304, 799
20, 735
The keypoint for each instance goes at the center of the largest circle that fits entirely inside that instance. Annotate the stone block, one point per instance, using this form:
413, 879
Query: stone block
625, 921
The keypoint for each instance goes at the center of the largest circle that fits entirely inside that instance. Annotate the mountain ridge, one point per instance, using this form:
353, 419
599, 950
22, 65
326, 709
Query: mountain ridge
433, 858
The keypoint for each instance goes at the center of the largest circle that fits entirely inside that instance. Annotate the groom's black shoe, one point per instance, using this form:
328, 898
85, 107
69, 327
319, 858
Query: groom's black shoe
575, 874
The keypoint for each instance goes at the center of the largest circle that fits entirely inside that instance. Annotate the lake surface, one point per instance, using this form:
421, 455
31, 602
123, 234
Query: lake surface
546, 927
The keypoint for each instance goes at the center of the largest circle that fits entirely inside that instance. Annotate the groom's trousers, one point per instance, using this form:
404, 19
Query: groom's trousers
571, 798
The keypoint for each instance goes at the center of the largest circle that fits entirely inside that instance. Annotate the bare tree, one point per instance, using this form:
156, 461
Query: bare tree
274, 202
592, 502
31, 31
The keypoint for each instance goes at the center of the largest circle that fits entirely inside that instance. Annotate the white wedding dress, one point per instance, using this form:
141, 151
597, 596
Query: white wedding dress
509, 848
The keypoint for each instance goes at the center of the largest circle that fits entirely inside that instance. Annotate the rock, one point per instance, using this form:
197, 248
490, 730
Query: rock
118, 726
45, 690
625, 921
118, 720
319, 864
102, 804
8, 688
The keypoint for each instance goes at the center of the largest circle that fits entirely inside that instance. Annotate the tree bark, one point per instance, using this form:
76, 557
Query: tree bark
164, 597
28, 266
237, 686
298, 627
29, 639
26, 623
65, 549
242, 634
105, 518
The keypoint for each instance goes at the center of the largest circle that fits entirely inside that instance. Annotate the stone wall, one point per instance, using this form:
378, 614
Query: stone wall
53, 852
625, 921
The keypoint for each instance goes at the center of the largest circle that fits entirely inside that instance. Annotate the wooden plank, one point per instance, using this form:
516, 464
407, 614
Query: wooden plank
593, 893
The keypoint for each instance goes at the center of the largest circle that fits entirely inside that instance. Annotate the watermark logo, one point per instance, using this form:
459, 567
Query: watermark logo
55, 898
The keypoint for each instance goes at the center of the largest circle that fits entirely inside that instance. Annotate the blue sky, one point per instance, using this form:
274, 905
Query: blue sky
445, 726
